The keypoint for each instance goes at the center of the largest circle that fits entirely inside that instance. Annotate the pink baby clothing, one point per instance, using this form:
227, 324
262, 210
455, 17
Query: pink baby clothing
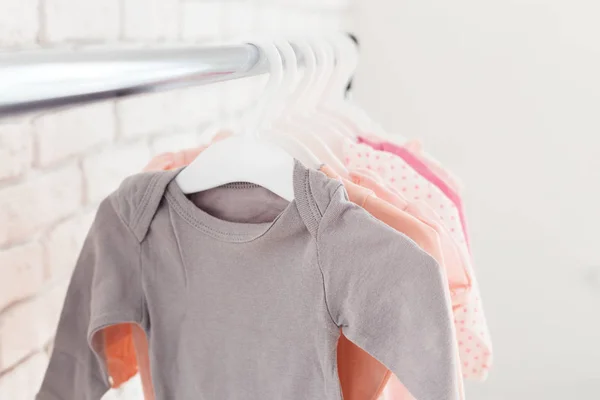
426, 237
473, 337
416, 148
457, 270
425, 171
399, 175
173, 160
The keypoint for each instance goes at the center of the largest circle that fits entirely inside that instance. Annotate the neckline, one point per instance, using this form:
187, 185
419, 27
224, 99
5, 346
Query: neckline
234, 232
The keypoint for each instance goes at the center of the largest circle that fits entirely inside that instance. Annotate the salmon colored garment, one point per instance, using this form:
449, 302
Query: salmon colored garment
119, 348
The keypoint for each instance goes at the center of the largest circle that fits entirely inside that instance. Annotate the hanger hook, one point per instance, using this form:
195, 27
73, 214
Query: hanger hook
310, 72
325, 62
269, 95
290, 62
346, 56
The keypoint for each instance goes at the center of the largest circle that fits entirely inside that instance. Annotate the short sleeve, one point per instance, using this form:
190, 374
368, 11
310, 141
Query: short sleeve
390, 298
105, 289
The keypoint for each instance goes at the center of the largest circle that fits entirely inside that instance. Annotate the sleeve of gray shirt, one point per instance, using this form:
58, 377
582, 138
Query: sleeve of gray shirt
105, 289
390, 298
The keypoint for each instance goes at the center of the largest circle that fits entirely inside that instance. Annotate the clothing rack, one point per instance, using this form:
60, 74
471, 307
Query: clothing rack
36, 80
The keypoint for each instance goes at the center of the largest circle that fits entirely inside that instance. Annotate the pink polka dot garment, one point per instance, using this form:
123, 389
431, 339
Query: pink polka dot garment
472, 333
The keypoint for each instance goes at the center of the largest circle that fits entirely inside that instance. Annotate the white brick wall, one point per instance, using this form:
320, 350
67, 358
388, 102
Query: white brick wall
201, 20
19, 22
22, 382
56, 167
150, 19
81, 20
15, 148
105, 170
175, 142
28, 326
63, 243
69, 132
238, 17
147, 114
21, 272
29, 207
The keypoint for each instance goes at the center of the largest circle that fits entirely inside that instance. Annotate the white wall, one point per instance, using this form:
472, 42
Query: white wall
61, 163
507, 94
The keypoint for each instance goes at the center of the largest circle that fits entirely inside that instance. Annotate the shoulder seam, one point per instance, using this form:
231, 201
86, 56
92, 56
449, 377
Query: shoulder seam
143, 302
141, 318
324, 285
121, 218
144, 201
314, 209
313, 204
341, 185
319, 264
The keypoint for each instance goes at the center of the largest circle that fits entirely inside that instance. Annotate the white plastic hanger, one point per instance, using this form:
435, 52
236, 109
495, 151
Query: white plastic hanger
244, 157
333, 101
299, 98
327, 57
346, 56
301, 132
298, 119
289, 79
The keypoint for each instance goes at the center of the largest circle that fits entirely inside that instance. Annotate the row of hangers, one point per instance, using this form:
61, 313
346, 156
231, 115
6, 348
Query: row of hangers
301, 114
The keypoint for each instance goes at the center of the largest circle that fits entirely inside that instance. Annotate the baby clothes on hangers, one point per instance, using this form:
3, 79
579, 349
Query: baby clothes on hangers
423, 235
224, 300
359, 373
457, 269
398, 174
125, 344
423, 170
455, 263
473, 337
361, 376
416, 148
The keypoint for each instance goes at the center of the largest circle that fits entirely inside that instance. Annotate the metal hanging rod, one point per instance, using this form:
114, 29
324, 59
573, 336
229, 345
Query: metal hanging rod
31, 81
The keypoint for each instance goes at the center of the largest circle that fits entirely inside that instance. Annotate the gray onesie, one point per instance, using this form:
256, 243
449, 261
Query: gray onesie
243, 295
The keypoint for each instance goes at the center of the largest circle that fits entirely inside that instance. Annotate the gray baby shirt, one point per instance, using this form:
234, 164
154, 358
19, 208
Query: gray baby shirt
242, 294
